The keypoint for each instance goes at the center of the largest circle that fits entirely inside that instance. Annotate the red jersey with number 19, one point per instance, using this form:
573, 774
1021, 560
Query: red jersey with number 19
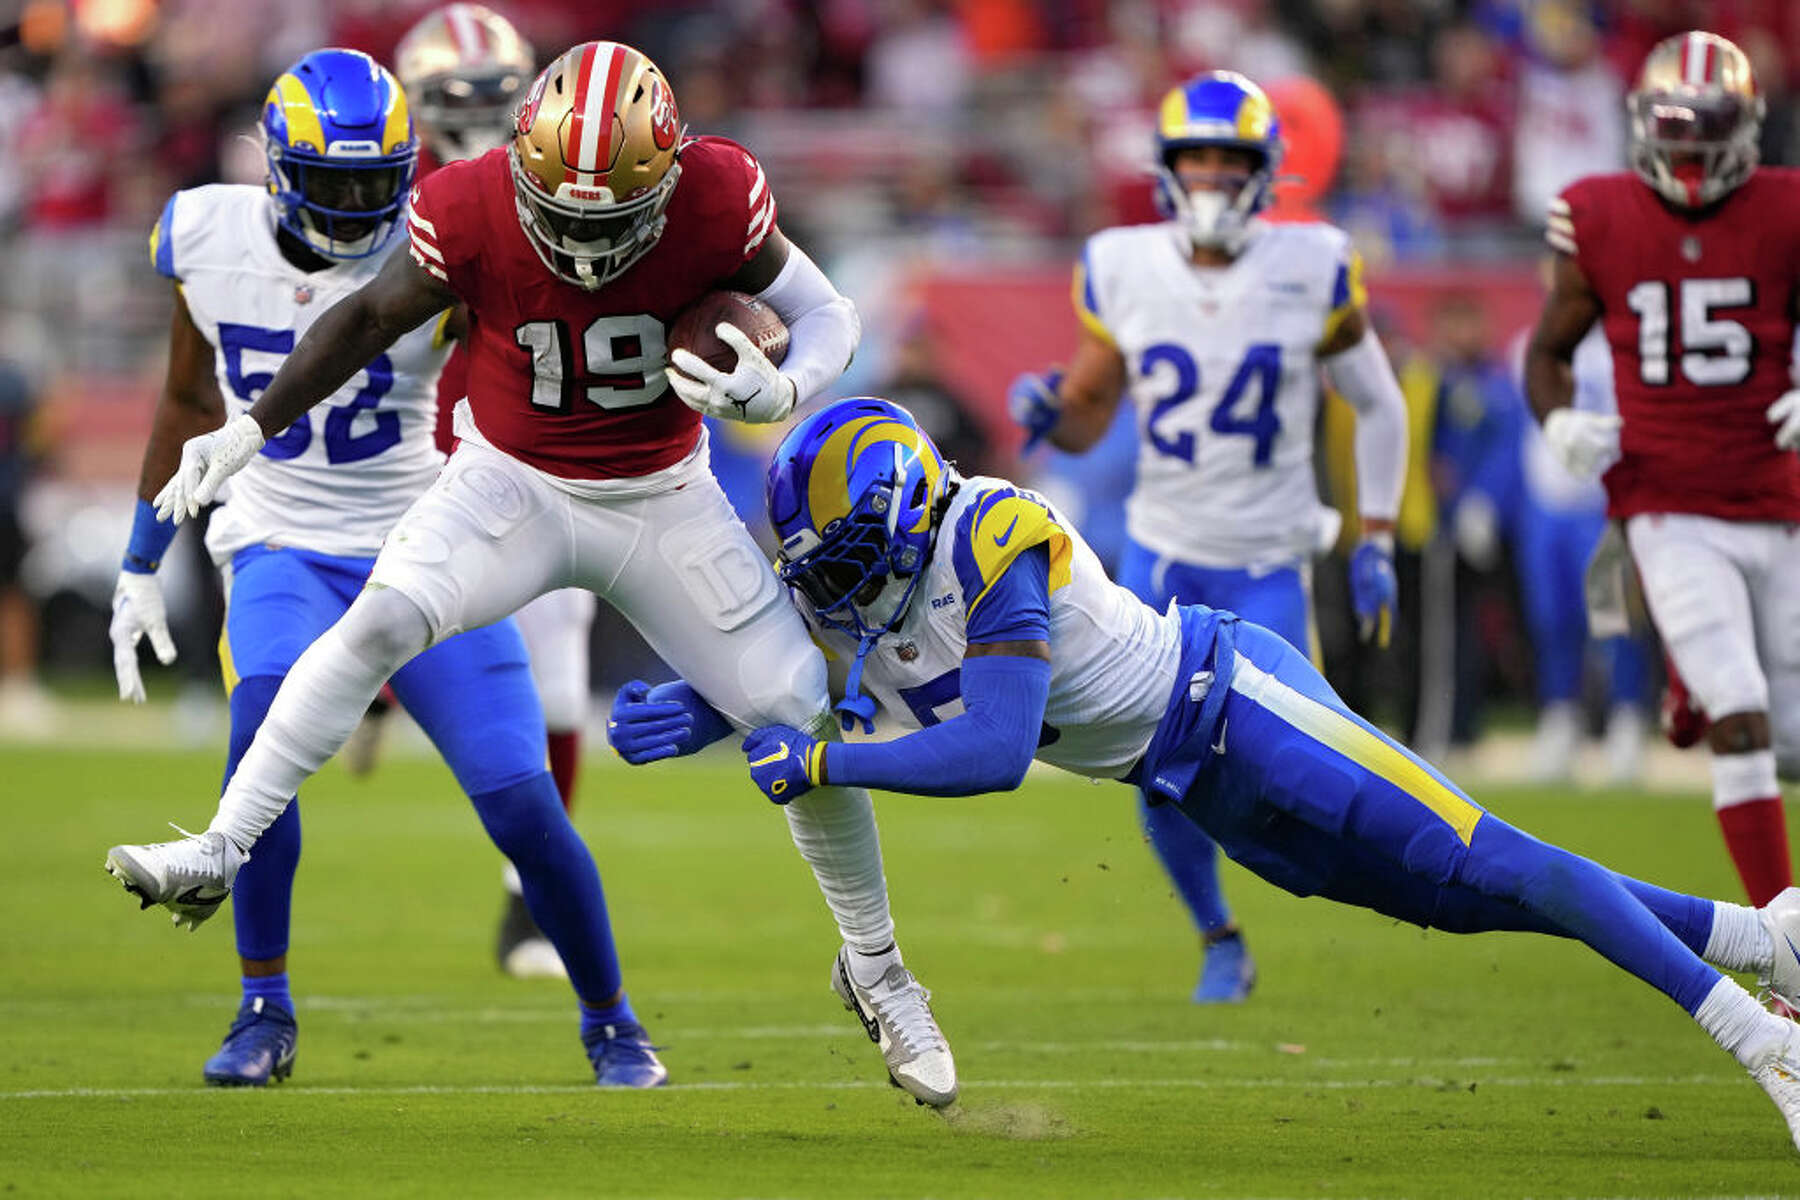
567, 380
1699, 312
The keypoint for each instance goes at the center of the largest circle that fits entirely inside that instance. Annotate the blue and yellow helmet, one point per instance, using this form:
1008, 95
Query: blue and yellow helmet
853, 494
341, 152
1219, 108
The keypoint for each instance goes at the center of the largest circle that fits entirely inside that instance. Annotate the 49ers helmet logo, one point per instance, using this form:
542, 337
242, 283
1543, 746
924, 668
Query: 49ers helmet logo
528, 110
664, 123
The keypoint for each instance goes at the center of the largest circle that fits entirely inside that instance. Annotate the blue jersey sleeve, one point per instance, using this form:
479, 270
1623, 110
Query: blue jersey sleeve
1017, 605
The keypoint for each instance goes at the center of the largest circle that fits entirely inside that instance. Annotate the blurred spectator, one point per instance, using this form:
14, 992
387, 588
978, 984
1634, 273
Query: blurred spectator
24, 707
1480, 419
1571, 110
917, 383
918, 65
1781, 122
1235, 35
1454, 138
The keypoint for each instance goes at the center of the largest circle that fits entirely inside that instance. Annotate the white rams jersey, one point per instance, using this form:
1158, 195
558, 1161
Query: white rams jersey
1222, 364
338, 478
1112, 657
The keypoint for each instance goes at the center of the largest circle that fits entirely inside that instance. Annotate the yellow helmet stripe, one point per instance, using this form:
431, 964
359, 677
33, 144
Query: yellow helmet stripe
827, 488
1254, 116
1174, 117
303, 127
396, 134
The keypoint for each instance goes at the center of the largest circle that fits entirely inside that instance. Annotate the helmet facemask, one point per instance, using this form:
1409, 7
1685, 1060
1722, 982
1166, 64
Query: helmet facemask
590, 242
1214, 218
1694, 146
465, 116
343, 208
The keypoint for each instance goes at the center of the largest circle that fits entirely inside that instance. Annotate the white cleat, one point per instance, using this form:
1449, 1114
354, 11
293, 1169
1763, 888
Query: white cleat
896, 1016
190, 878
534, 958
1779, 1075
1781, 917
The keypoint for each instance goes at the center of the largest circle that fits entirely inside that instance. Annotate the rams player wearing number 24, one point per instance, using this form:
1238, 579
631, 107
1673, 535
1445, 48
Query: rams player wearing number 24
981, 621
296, 539
1217, 323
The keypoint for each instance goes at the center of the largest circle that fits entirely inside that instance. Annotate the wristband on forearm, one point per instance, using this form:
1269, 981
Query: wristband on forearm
150, 540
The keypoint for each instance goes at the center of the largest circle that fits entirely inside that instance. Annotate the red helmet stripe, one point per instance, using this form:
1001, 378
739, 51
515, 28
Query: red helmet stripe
471, 38
578, 134
603, 116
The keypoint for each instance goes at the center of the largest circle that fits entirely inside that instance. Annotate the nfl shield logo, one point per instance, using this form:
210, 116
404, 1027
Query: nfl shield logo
303, 293
1690, 248
907, 650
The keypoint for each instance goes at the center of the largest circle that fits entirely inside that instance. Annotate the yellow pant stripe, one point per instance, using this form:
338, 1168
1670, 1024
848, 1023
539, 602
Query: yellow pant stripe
1375, 754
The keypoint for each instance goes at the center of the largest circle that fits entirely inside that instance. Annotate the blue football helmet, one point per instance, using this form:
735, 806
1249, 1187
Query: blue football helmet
341, 152
1219, 108
854, 493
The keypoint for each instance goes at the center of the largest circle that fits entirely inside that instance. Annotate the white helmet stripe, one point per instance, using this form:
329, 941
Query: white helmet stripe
594, 152
470, 44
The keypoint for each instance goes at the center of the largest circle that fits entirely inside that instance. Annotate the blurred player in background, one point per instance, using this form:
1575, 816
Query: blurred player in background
1689, 262
1027, 650
1217, 322
574, 247
464, 67
254, 269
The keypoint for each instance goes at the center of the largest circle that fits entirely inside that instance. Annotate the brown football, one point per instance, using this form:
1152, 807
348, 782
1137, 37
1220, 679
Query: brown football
693, 328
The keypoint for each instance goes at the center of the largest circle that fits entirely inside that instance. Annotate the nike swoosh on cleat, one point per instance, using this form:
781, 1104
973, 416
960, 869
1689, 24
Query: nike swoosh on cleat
199, 895
1000, 539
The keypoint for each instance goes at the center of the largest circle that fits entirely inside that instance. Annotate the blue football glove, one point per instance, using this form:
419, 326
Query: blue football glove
784, 762
666, 721
1033, 403
1374, 592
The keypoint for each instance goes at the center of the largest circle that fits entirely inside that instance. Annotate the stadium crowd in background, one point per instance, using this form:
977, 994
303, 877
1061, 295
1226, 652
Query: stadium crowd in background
912, 143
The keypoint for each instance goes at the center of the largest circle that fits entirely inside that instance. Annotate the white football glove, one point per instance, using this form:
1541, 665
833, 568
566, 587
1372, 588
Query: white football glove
755, 393
207, 462
137, 607
1583, 442
1784, 414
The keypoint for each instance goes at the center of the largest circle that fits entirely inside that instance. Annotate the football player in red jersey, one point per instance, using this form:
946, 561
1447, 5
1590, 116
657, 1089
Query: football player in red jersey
582, 461
1691, 263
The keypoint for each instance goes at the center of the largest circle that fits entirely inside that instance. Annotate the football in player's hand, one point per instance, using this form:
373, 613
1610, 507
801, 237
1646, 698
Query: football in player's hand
693, 328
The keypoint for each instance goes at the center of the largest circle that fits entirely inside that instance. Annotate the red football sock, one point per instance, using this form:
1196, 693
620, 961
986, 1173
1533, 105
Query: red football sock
565, 761
1756, 835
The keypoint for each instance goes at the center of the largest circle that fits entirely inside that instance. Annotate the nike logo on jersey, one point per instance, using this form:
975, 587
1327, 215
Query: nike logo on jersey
1219, 746
1287, 287
1000, 539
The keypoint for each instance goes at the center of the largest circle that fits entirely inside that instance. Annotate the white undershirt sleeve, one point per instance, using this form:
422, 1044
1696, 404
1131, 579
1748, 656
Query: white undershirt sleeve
823, 328
1363, 377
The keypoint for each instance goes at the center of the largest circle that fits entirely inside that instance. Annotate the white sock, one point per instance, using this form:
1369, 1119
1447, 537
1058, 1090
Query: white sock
1738, 941
867, 969
314, 713
1744, 1028
834, 830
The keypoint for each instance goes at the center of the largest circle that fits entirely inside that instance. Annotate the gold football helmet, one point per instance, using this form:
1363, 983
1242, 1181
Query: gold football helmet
594, 153
1695, 118
463, 66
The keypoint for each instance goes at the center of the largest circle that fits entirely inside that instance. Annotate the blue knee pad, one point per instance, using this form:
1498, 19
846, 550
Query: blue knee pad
263, 896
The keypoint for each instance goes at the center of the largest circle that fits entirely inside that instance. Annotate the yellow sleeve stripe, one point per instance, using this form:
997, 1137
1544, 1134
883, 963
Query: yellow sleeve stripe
1012, 525
1360, 745
1081, 293
1348, 296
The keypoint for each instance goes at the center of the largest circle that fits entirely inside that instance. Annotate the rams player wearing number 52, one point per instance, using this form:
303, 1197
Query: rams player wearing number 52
1217, 323
984, 624
253, 269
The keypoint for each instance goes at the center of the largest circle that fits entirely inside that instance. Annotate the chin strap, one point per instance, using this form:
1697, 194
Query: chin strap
855, 706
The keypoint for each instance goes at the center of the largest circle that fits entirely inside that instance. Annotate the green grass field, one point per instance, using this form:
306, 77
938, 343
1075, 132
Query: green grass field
1374, 1060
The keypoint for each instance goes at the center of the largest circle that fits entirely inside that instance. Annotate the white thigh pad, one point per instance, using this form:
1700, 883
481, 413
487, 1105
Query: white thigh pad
721, 569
